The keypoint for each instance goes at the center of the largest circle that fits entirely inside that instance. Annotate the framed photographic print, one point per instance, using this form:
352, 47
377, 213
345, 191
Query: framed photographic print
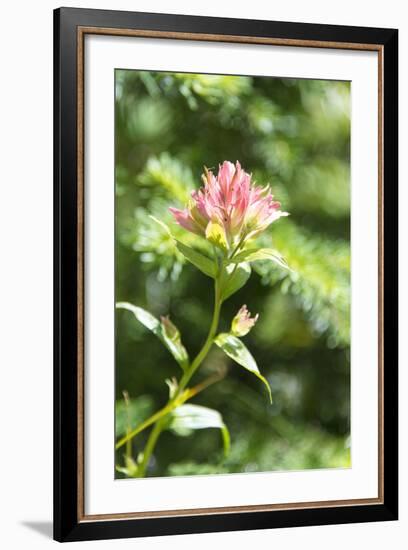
225, 274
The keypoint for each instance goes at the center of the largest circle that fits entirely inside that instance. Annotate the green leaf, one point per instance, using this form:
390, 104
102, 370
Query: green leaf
172, 339
129, 469
186, 418
133, 413
202, 262
234, 348
174, 345
215, 233
177, 349
233, 277
254, 254
143, 316
199, 260
172, 384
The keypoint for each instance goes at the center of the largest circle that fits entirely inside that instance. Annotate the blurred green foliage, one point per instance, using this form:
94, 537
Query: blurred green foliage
295, 135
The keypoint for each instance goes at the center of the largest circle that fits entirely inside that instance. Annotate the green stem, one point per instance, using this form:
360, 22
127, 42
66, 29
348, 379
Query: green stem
185, 379
150, 445
207, 345
240, 243
128, 448
151, 420
172, 404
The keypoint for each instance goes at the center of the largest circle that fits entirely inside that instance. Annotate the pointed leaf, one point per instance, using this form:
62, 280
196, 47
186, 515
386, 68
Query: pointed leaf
177, 349
233, 278
172, 385
172, 339
202, 262
143, 316
186, 418
175, 346
199, 260
129, 469
236, 349
254, 254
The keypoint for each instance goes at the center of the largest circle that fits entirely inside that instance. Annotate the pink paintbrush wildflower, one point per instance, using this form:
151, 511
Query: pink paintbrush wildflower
229, 208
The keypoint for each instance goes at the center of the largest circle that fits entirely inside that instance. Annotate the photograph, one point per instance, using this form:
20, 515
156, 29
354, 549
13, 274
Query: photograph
225, 244
202, 236
232, 274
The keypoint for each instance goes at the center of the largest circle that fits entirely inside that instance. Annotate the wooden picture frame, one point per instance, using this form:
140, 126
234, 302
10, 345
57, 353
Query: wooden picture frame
70, 28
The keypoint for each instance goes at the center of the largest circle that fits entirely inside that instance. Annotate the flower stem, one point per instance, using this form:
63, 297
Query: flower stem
150, 445
185, 379
207, 345
128, 449
236, 249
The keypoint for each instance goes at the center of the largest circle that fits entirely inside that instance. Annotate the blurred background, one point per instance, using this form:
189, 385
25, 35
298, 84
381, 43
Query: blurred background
295, 135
